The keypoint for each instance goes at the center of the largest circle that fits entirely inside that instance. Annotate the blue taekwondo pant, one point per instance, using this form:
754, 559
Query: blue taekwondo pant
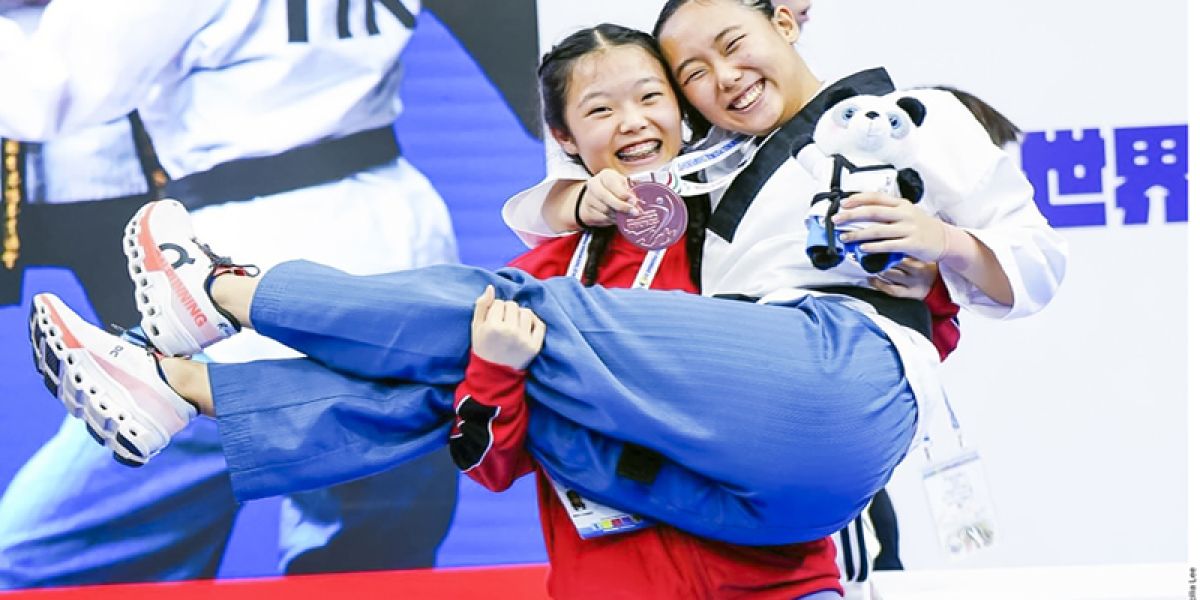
777, 423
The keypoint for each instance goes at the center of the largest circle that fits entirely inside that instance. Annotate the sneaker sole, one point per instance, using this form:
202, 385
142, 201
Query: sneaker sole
88, 393
153, 288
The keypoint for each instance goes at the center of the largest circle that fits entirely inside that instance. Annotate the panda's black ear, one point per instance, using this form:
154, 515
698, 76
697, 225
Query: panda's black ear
914, 108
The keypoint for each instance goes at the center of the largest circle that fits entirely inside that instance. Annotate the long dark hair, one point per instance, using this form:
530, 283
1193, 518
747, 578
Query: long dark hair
999, 127
668, 10
554, 75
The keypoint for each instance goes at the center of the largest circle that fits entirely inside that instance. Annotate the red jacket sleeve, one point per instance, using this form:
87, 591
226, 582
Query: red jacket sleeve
945, 318
487, 440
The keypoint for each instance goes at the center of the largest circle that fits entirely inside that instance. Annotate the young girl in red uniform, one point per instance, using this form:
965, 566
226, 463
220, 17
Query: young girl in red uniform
610, 104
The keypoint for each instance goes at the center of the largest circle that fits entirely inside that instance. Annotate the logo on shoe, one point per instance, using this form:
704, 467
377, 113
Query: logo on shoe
189, 303
184, 258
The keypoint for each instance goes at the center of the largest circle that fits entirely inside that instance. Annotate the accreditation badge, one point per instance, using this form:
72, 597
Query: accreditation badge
963, 513
592, 519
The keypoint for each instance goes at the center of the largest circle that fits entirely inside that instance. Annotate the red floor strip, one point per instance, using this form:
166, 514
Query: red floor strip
525, 582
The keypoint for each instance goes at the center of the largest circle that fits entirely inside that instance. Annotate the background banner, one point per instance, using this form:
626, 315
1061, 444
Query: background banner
1078, 412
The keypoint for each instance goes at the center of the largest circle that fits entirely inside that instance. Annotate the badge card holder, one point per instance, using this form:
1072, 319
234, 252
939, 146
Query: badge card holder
963, 513
592, 519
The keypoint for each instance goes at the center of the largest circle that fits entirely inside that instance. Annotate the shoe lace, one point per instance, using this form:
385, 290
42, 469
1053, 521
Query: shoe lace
137, 337
224, 265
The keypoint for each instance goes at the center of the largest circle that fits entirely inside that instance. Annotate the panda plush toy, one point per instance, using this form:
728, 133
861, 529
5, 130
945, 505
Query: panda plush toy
861, 144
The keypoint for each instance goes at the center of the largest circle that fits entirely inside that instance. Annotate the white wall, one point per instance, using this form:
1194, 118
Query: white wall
1080, 411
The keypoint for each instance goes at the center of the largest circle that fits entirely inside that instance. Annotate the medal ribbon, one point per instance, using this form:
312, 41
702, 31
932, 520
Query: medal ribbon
743, 145
645, 274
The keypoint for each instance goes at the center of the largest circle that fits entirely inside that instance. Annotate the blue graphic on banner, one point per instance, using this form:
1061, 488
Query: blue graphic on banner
1149, 165
1149, 158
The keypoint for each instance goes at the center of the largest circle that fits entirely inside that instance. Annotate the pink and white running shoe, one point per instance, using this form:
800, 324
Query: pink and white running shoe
172, 272
110, 383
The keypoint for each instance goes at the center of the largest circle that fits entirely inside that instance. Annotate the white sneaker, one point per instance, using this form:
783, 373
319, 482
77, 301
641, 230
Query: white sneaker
110, 383
171, 272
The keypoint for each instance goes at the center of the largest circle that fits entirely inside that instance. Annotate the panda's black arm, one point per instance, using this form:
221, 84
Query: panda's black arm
912, 187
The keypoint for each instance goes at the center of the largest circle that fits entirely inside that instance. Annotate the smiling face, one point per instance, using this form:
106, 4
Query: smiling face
620, 112
736, 66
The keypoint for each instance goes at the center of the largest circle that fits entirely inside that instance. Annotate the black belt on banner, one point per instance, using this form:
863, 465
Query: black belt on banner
908, 312
302, 167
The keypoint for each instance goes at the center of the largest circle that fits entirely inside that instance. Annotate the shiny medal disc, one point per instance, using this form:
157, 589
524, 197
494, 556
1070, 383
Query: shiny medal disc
661, 221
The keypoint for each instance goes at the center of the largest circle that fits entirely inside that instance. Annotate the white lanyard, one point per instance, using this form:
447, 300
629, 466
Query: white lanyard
743, 146
645, 274
926, 444
959, 497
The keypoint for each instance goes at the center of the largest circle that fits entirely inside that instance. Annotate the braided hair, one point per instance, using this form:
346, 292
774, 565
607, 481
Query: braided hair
554, 76
698, 207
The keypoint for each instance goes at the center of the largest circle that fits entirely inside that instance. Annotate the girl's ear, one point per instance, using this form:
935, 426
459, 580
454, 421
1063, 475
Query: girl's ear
565, 140
785, 23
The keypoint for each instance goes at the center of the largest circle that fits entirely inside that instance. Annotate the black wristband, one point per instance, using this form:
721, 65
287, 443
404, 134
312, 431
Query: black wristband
579, 205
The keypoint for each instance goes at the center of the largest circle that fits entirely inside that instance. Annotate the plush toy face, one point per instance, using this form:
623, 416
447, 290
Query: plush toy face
870, 129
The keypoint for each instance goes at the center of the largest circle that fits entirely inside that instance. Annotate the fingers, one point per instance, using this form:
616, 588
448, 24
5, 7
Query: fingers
508, 334
539, 333
483, 303
894, 275
495, 313
894, 289
877, 214
595, 215
879, 246
525, 320
909, 266
919, 269
504, 315
882, 231
907, 269
607, 194
511, 312
532, 330
873, 199
881, 282
615, 191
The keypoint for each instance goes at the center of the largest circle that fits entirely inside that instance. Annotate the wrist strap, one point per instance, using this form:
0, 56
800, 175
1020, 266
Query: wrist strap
578, 206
